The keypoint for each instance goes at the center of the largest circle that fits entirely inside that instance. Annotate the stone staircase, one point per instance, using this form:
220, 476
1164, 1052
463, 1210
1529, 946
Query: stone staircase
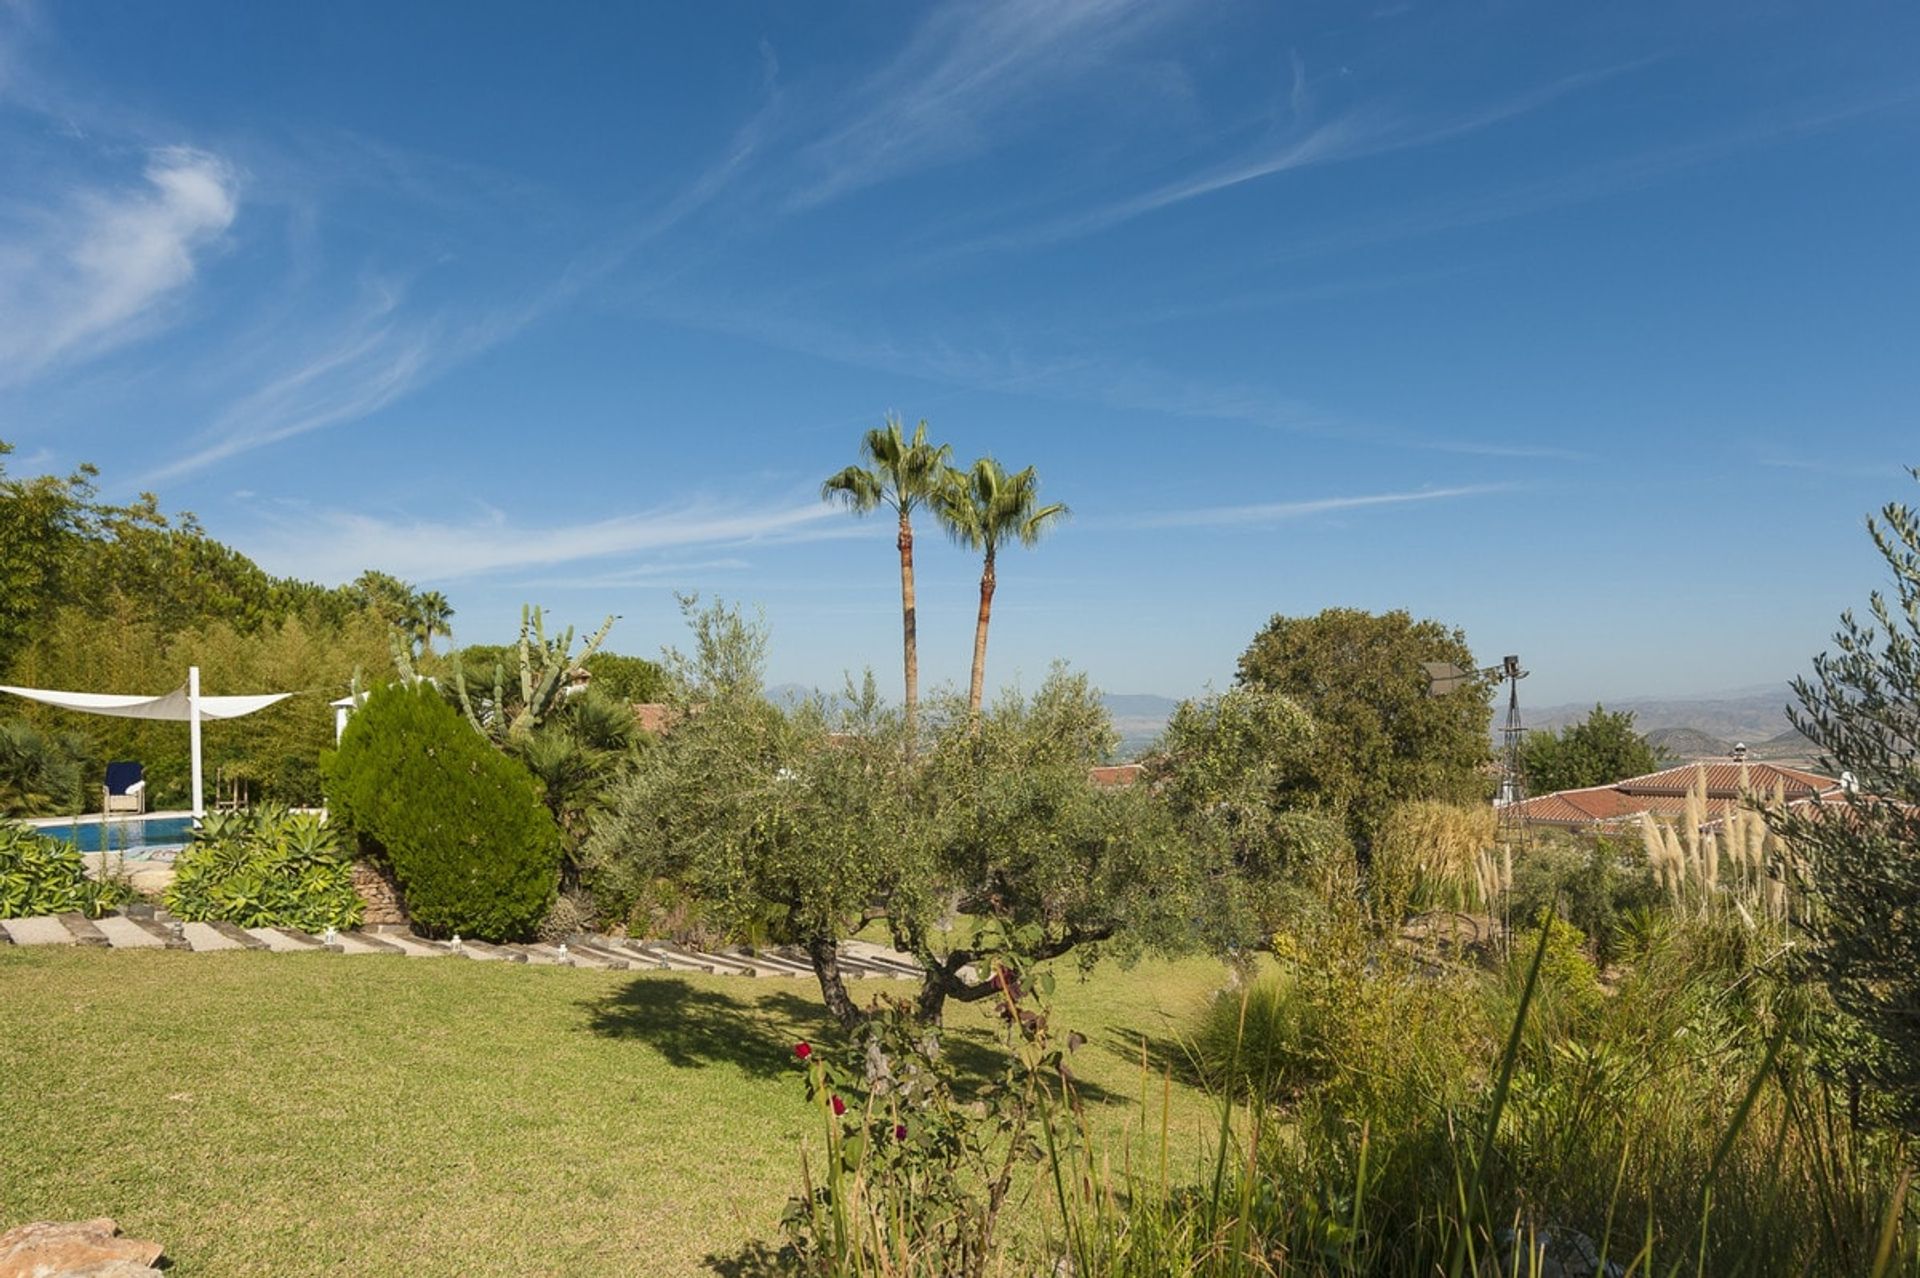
155, 929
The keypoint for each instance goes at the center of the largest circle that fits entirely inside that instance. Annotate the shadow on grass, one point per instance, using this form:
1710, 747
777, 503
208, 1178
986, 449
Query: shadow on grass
694, 1027
755, 1260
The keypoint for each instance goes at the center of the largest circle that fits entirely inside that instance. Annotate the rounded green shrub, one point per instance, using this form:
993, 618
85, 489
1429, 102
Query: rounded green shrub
41, 875
265, 868
463, 827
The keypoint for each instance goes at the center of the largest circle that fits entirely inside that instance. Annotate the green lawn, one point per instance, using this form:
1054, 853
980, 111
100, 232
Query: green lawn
324, 1114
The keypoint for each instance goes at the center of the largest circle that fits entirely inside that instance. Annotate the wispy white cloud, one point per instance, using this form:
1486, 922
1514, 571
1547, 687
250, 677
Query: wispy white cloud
966, 67
1599, 179
336, 545
1359, 133
93, 267
1267, 513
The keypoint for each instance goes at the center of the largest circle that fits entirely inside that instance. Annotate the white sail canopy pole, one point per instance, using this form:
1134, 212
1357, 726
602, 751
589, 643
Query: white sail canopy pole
193, 735
183, 704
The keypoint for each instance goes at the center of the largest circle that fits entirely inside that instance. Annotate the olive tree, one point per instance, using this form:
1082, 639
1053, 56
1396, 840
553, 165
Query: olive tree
1028, 855
1859, 864
985, 843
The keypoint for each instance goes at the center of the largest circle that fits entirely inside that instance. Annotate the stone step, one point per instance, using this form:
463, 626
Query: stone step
238, 935
612, 958
162, 926
205, 937
666, 958
414, 946
787, 962
355, 943
368, 943
150, 928
44, 930
491, 953
83, 929
125, 934
281, 941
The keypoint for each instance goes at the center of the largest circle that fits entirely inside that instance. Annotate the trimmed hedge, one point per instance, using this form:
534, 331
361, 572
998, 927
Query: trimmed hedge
463, 826
268, 868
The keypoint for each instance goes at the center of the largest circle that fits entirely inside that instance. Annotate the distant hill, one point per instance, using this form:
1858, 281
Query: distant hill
1688, 743
1139, 718
1745, 714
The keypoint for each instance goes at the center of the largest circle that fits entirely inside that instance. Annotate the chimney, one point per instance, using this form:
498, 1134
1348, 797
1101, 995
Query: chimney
1740, 752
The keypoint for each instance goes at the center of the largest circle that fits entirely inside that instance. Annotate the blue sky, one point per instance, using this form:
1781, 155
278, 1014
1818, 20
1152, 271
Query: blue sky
1589, 328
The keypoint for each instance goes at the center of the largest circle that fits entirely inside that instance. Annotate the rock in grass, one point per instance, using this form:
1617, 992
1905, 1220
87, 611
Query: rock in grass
75, 1249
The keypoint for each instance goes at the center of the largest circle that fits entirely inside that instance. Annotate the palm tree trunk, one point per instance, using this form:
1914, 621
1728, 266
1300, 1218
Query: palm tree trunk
980, 637
909, 623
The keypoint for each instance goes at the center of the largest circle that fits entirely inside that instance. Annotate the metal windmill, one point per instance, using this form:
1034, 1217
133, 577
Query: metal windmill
1444, 677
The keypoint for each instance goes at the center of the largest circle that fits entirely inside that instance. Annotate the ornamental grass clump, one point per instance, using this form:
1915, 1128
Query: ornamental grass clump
265, 868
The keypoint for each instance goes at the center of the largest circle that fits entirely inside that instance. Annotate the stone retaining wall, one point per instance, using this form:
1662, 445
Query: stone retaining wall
380, 895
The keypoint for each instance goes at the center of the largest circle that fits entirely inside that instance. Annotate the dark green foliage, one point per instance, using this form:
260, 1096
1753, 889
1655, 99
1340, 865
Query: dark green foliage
1382, 740
1860, 864
122, 598
1597, 884
1228, 770
629, 679
42, 773
40, 875
1599, 751
462, 825
265, 868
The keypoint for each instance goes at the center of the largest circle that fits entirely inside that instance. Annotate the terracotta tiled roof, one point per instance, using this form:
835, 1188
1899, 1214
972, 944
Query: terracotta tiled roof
1664, 794
654, 716
1728, 780
1117, 774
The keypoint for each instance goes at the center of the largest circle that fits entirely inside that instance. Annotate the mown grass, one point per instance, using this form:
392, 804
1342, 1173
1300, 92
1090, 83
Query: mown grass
326, 1114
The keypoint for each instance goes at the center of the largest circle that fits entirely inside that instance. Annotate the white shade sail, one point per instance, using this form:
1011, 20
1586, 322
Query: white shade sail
175, 706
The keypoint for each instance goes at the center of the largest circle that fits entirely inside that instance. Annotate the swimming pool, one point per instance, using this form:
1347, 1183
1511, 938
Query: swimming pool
138, 838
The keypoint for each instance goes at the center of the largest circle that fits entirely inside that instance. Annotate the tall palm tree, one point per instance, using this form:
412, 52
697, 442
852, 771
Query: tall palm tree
982, 509
900, 474
428, 616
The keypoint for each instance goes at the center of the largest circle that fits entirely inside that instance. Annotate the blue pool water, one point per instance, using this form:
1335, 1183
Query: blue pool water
138, 839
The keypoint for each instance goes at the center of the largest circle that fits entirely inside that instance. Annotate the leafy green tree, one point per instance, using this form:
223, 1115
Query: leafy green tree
42, 772
633, 680
901, 475
463, 827
985, 508
765, 815
1037, 860
1600, 750
1382, 738
1859, 864
429, 617
822, 823
1229, 768
43, 522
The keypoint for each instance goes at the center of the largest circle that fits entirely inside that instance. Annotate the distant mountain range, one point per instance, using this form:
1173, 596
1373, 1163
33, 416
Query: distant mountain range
1703, 727
1698, 727
1751, 715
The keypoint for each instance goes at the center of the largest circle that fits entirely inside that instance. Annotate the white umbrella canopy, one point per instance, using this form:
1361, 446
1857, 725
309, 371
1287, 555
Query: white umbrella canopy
183, 705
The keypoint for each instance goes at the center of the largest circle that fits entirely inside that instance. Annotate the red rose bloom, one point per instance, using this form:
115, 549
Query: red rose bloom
803, 1050
899, 1131
839, 1106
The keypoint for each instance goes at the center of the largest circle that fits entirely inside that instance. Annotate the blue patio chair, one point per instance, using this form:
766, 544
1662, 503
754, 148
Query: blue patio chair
126, 788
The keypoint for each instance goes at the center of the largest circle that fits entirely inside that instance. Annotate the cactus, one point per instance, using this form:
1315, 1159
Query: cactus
544, 663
